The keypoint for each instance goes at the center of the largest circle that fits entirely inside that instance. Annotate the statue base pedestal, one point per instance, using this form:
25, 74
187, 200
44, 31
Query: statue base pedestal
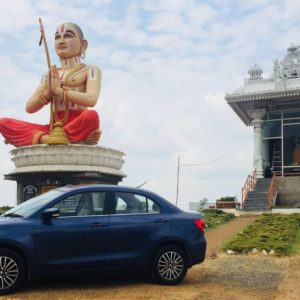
40, 168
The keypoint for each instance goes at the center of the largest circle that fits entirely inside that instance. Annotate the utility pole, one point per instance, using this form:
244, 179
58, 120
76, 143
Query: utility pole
178, 170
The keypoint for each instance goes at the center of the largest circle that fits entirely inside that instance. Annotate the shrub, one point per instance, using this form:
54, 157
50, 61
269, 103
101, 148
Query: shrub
3, 209
214, 217
227, 198
271, 231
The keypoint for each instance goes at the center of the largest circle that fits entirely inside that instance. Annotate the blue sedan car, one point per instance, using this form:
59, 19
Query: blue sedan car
98, 227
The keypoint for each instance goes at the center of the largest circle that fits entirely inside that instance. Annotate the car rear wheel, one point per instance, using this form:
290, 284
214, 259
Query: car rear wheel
12, 271
169, 265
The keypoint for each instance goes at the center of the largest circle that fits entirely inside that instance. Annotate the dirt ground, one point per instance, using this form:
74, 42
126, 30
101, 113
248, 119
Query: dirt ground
221, 276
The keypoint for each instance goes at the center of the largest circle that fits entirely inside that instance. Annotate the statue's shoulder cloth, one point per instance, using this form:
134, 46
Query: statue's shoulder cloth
93, 71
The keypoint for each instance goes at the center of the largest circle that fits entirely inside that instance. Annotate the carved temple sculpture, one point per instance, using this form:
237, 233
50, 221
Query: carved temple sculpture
69, 90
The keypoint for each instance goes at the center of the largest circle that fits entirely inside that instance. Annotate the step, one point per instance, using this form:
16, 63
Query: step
256, 204
263, 194
258, 196
262, 185
261, 191
264, 179
256, 201
256, 207
267, 209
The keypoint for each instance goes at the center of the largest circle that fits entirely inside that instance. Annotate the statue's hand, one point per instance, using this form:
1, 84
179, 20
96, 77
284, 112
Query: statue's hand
55, 83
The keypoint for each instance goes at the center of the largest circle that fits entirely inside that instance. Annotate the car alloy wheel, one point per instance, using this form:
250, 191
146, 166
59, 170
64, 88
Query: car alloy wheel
9, 272
12, 271
169, 265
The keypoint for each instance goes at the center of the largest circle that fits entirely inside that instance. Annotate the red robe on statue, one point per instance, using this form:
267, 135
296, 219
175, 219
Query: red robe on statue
78, 126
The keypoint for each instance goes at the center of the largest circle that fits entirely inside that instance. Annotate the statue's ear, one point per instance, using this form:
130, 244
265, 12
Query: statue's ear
84, 44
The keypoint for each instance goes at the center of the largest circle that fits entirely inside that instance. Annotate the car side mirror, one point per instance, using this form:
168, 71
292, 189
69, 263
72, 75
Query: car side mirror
51, 213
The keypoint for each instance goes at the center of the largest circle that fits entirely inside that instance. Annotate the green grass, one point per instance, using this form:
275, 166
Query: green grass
276, 232
215, 217
296, 245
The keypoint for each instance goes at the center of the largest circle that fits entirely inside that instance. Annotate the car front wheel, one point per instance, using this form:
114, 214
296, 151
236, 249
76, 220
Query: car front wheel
169, 265
12, 271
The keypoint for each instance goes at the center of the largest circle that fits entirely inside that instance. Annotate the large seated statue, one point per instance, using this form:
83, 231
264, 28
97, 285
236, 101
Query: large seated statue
70, 89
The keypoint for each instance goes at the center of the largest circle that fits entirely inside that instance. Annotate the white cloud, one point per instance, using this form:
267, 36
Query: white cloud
12, 19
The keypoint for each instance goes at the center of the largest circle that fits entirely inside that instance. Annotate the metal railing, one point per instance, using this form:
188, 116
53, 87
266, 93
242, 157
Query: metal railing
272, 191
248, 186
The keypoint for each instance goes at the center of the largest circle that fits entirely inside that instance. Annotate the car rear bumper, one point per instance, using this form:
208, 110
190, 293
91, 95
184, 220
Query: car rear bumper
197, 253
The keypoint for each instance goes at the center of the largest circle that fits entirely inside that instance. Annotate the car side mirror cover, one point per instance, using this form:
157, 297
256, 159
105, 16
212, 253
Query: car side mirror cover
51, 213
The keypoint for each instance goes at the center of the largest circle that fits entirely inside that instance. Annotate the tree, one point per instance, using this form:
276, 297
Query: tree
202, 203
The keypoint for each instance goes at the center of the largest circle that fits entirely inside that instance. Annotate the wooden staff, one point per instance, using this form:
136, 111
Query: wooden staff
43, 39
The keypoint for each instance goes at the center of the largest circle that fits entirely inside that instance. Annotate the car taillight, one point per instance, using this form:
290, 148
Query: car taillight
200, 224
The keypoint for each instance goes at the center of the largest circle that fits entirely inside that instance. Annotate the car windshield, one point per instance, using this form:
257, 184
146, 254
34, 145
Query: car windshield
29, 207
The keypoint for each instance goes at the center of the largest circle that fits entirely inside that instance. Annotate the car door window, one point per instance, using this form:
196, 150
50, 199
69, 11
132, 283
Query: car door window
82, 204
131, 203
121, 205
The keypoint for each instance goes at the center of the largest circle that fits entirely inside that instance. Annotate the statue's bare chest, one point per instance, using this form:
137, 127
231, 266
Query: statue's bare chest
73, 80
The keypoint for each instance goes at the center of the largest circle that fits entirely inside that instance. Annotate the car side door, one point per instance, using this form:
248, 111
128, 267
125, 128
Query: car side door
137, 224
77, 239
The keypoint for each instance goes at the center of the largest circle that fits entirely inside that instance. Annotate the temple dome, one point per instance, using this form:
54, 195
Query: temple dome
289, 67
255, 72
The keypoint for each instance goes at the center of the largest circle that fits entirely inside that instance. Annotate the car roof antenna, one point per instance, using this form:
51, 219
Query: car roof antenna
142, 184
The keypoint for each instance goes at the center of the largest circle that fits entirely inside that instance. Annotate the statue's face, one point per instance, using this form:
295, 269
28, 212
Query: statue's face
67, 41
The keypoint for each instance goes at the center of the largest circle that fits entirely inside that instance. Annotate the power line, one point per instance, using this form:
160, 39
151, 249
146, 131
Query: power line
203, 163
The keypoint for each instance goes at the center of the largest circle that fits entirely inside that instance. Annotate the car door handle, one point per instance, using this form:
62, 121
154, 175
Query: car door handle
98, 225
160, 221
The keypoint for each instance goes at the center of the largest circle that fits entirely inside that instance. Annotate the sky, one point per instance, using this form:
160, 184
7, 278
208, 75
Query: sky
167, 66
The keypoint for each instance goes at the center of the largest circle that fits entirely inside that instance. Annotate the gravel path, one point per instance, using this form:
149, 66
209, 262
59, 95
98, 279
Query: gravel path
289, 287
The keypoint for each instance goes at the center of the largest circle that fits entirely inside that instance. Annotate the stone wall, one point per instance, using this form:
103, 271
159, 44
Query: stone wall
288, 191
